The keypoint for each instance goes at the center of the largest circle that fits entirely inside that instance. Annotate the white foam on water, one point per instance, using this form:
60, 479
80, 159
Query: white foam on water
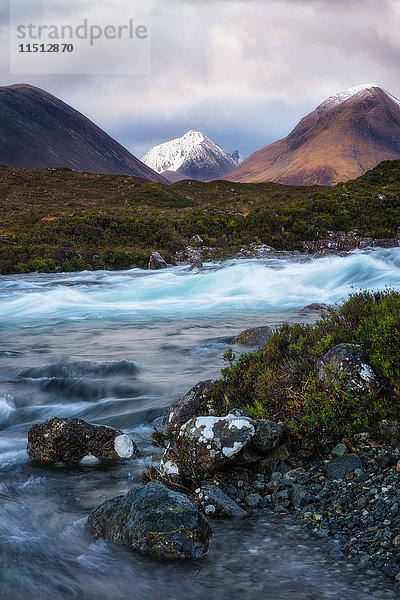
236, 286
7, 407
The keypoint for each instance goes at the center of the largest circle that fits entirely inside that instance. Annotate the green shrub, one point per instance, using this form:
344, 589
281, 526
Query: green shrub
278, 381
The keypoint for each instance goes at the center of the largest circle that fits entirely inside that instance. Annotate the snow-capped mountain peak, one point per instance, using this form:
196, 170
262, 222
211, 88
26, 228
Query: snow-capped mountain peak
194, 155
358, 90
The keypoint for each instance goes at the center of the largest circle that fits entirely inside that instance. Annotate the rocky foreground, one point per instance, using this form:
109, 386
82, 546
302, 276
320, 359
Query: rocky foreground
220, 463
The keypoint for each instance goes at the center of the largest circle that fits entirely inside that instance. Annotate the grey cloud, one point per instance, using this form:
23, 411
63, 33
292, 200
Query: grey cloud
244, 71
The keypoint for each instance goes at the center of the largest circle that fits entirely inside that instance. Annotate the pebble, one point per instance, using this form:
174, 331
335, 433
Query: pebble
360, 510
253, 500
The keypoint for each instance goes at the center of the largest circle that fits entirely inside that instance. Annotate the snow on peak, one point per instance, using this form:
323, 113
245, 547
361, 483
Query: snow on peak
341, 97
194, 145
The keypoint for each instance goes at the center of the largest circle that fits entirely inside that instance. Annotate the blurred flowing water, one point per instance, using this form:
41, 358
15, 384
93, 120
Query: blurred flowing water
117, 349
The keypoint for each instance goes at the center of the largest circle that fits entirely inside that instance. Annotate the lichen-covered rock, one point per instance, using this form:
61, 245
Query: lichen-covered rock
71, 440
153, 520
194, 404
267, 435
347, 360
156, 262
256, 336
215, 503
206, 444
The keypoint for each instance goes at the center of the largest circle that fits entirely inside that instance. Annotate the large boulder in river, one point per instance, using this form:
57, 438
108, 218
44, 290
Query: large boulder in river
71, 440
205, 445
195, 403
256, 336
347, 361
156, 262
153, 520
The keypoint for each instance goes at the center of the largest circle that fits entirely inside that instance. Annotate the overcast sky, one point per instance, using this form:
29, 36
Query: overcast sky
242, 71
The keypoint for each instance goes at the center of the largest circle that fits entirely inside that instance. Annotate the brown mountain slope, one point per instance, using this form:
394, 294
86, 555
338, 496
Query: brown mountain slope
38, 130
343, 138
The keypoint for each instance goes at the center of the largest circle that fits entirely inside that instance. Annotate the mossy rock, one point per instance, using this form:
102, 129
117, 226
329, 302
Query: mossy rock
153, 520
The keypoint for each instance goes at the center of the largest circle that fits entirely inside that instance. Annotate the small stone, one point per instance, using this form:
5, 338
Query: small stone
339, 450
209, 509
396, 541
253, 500
361, 502
156, 262
318, 517
222, 505
259, 485
196, 240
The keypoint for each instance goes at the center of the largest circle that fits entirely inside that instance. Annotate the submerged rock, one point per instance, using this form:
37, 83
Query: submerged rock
71, 440
256, 336
156, 262
347, 360
153, 520
194, 404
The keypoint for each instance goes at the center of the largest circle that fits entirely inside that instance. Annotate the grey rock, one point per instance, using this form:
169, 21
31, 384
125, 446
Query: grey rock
153, 520
224, 507
342, 466
205, 444
350, 361
156, 262
253, 500
193, 404
339, 450
256, 336
300, 496
196, 240
71, 440
313, 308
267, 435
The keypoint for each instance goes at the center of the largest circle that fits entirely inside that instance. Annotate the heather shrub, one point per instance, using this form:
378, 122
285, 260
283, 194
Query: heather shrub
278, 381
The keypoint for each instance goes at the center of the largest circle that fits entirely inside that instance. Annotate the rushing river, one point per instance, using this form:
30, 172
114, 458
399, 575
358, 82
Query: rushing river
117, 349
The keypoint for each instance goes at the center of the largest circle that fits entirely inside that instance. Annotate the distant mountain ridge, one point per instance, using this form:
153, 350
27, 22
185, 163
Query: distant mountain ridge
193, 155
345, 136
37, 130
